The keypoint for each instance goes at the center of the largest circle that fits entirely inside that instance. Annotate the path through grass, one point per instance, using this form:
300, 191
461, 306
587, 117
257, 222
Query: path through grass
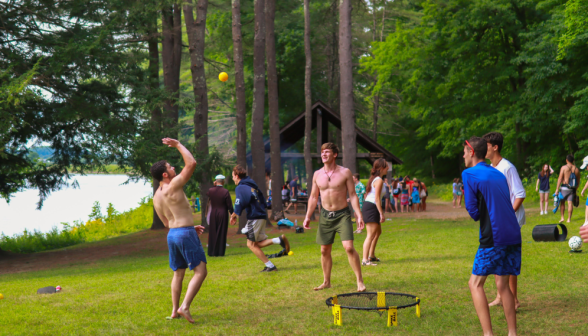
428, 258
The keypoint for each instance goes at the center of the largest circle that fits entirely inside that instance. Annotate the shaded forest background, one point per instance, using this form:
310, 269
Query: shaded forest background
80, 77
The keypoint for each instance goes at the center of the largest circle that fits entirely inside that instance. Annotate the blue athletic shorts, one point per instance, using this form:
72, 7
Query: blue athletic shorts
499, 260
185, 249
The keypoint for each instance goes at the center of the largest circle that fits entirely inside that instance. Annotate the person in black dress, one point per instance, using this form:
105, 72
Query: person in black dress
219, 207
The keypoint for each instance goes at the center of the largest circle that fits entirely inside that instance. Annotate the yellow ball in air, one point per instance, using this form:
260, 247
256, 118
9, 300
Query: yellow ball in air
223, 77
1, 296
290, 253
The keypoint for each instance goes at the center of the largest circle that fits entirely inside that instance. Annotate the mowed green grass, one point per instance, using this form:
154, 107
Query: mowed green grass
428, 258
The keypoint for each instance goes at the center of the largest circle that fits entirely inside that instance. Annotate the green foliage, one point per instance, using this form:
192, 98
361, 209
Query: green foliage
37, 241
470, 67
98, 227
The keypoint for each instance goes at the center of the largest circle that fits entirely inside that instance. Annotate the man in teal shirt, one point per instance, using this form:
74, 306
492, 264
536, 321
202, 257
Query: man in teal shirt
360, 191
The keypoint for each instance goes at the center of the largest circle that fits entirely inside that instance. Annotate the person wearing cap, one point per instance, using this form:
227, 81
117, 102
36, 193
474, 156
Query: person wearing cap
584, 164
220, 205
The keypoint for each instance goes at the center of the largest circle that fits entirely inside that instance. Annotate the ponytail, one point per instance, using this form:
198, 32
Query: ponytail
375, 172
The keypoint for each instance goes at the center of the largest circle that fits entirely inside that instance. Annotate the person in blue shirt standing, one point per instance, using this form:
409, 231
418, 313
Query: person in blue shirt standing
248, 197
487, 199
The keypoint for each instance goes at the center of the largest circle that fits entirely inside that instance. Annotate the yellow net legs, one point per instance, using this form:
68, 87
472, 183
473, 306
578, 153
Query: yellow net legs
392, 316
337, 311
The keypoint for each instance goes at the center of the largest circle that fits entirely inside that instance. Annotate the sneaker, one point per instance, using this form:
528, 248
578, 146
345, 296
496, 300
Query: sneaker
540, 213
269, 269
284, 243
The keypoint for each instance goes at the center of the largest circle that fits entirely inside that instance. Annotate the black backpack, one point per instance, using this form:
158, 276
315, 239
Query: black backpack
573, 181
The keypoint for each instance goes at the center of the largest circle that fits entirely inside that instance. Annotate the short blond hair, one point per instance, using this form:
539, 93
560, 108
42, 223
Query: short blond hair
331, 146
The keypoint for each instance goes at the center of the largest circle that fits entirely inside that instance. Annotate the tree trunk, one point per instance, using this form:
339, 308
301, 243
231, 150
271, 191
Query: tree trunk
239, 85
333, 59
171, 58
157, 224
307, 98
376, 107
383, 21
257, 147
277, 175
432, 168
376, 100
196, 38
346, 87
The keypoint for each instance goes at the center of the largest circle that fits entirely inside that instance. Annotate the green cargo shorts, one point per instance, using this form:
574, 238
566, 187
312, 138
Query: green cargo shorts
332, 222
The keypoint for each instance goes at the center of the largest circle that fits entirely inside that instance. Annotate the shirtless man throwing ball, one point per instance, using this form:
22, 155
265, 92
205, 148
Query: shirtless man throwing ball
185, 249
334, 183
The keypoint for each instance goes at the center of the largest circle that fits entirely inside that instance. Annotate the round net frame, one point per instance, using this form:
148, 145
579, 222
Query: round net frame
379, 302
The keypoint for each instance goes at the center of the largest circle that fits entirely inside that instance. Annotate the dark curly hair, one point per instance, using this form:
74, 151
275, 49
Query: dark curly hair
158, 169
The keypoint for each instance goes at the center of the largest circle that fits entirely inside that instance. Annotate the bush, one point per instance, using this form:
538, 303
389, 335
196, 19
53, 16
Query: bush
98, 227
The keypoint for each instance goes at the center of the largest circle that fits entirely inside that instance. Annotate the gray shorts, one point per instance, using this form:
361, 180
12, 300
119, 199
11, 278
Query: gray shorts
543, 191
256, 230
568, 194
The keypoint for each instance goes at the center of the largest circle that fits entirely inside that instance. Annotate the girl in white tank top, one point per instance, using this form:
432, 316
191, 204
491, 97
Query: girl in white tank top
371, 196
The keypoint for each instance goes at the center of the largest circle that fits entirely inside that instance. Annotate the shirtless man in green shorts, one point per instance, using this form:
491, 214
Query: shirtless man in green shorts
334, 183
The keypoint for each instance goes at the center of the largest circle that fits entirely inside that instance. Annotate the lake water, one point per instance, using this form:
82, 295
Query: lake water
70, 204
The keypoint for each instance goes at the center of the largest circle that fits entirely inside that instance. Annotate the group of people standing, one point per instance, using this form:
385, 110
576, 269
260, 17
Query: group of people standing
398, 194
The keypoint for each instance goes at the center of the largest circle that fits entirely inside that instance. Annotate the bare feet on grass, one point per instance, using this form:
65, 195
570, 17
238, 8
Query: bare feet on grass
185, 313
174, 314
496, 302
360, 287
323, 286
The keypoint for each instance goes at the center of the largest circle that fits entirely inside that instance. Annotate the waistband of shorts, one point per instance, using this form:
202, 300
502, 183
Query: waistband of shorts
183, 228
334, 214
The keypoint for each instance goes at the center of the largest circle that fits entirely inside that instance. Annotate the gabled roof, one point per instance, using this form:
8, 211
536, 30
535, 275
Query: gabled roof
294, 131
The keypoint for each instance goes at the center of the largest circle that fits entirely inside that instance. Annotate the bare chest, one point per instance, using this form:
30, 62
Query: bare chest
333, 181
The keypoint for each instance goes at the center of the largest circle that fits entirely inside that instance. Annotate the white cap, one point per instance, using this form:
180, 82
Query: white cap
219, 177
585, 163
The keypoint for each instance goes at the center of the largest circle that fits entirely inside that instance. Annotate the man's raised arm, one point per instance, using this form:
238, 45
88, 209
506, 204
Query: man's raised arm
189, 163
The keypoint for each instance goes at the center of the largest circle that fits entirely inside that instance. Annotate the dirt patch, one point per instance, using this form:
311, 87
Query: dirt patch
155, 243
435, 210
144, 243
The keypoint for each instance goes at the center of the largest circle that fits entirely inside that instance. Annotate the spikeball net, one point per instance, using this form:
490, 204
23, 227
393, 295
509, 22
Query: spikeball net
379, 302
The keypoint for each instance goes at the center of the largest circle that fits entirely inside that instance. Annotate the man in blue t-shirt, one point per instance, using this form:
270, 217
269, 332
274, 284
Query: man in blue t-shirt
248, 197
487, 199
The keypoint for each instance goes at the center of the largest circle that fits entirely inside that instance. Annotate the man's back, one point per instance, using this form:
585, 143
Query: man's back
566, 171
487, 198
174, 204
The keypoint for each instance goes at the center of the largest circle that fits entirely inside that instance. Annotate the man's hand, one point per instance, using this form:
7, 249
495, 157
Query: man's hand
360, 223
199, 229
306, 223
170, 142
584, 233
233, 219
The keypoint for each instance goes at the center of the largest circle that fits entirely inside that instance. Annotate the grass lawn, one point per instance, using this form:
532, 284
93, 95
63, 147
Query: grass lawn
428, 258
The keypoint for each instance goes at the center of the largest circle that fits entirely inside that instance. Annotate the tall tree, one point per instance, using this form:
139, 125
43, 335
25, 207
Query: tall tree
346, 87
153, 45
277, 175
307, 97
196, 30
257, 171
171, 56
239, 85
